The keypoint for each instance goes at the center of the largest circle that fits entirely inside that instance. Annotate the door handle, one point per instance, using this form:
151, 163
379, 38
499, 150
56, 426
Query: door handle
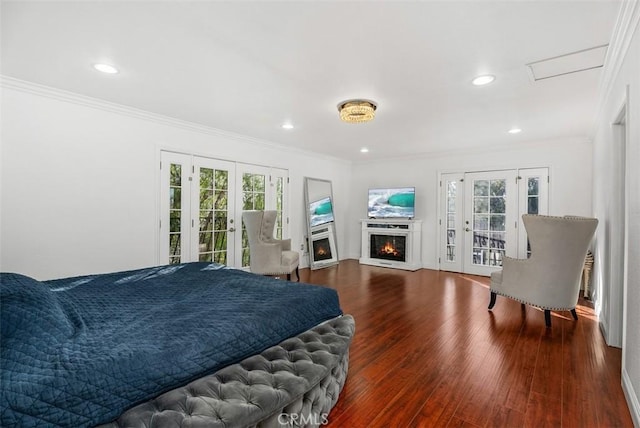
466, 229
233, 229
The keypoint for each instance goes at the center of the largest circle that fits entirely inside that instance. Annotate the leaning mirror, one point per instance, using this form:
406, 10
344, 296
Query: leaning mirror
321, 223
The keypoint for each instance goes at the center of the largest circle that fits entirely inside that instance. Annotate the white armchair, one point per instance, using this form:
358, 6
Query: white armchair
268, 256
550, 278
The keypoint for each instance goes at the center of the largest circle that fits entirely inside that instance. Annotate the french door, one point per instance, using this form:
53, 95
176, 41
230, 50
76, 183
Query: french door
491, 218
480, 217
262, 188
201, 204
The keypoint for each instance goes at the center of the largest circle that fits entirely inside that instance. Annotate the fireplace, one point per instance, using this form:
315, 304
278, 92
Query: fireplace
394, 243
322, 249
322, 252
388, 247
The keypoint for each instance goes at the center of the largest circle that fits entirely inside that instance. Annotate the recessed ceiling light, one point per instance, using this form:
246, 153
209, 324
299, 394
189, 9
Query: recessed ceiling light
364, 150
483, 80
287, 126
106, 68
515, 131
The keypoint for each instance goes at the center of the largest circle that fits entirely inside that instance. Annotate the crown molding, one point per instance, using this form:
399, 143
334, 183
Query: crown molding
96, 103
626, 25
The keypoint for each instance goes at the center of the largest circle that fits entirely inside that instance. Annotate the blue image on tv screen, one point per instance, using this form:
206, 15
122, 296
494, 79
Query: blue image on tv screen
392, 202
321, 212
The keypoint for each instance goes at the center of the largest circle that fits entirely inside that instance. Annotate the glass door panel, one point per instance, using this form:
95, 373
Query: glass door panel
533, 190
279, 180
175, 212
174, 208
488, 221
263, 188
451, 215
214, 214
278, 185
253, 198
490, 225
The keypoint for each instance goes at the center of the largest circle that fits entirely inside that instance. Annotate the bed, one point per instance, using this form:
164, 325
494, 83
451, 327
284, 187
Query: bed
194, 344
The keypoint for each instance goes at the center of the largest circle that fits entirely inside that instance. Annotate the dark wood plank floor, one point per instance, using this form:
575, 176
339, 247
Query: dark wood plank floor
428, 353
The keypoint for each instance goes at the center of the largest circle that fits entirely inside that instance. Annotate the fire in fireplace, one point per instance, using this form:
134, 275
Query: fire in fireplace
321, 249
388, 247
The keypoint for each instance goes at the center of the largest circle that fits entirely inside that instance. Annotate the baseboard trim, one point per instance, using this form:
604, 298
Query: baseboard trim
632, 398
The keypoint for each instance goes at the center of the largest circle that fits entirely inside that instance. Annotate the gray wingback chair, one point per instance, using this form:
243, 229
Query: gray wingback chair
268, 256
550, 278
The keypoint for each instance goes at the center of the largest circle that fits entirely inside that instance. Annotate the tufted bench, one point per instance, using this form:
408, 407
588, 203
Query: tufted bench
296, 382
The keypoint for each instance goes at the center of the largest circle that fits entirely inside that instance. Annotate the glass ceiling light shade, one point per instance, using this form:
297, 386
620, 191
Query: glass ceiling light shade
483, 80
106, 68
357, 111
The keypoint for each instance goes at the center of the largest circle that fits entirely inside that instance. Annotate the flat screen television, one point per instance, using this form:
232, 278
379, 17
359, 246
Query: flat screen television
396, 202
320, 212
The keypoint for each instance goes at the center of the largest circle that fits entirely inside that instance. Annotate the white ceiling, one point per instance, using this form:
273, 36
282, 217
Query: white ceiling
247, 67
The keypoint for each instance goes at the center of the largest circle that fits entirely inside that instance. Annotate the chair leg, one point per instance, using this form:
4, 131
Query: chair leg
288, 277
492, 301
298, 274
547, 317
575, 315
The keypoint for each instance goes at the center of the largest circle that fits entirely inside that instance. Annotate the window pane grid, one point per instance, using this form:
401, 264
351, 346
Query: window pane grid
213, 214
253, 198
279, 203
175, 212
451, 220
489, 216
533, 201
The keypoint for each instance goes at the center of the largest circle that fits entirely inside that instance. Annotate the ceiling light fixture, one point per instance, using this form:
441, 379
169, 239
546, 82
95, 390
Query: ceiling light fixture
483, 80
357, 111
514, 131
287, 126
106, 68
364, 150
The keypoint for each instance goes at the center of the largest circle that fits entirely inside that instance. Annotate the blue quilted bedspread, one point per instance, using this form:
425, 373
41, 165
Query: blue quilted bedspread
79, 351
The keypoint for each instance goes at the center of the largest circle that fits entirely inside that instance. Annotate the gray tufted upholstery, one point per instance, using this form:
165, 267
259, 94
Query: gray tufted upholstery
302, 375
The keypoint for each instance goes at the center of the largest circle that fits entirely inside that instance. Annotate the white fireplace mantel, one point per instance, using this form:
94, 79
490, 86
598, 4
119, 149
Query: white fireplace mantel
322, 235
410, 229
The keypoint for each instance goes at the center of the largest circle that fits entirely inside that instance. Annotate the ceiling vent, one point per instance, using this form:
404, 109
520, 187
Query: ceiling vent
574, 62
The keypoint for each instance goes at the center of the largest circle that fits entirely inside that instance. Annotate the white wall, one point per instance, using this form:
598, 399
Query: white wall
626, 75
569, 163
80, 181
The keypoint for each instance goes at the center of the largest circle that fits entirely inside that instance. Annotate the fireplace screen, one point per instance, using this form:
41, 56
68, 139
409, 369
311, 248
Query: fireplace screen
321, 250
388, 247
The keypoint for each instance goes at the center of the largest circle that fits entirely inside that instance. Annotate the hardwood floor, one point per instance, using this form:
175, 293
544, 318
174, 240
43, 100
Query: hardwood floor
428, 353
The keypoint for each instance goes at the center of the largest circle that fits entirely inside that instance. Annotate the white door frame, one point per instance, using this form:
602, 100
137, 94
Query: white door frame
614, 328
